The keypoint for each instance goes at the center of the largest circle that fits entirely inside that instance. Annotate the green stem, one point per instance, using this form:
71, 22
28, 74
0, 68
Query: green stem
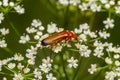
14, 28
8, 50
109, 13
109, 54
62, 60
31, 74
76, 72
32, 42
7, 74
91, 22
101, 68
74, 50
65, 23
2, 73
94, 39
9, 69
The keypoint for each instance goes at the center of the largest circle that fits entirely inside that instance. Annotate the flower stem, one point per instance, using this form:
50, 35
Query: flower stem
8, 50
74, 50
76, 72
94, 39
13, 27
65, 19
2, 73
91, 22
62, 60
9, 69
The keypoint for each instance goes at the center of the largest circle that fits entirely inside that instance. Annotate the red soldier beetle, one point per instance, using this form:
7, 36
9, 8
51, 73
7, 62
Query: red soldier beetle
58, 37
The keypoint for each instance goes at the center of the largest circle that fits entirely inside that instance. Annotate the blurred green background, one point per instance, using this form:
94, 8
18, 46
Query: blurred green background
67, 17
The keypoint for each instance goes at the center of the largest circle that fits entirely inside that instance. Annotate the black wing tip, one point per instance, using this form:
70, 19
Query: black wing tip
43, 43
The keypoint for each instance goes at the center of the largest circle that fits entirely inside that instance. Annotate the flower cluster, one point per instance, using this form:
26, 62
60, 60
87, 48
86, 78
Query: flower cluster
7, 6
3, 33
35, 64
87, 39
94, 5
45, 67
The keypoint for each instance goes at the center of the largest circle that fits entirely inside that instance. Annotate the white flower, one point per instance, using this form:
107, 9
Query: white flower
112, 2
78, 45
20, 66
45, 68
18, 57
84, 27
104, 34
116, 50
31, 61
92, 2
72, 62
77, 30
88, 32
117, 71
65, 2
11, 65
74, 2
108, 60
36, 23
109, 47
57, 48
104, 1
98, 53
116, 56
92, 35
0, 3
83, 37
110, 75
41, 28
31, 30
51, 28
47, 61
109, 23
84, 51
32, 50
5, 61
117, 63
3, 44
37, 74
95, 8
4, 78
19, 9
118, 2
0, 67
18, 76
39, 33
26, 70
11, 4
36, 37
117, 9
46, 65
1, 17
93, 69
83, 6
50, 77
107, 5
24, 39
98, 45
4, 31
43, 36
5, 3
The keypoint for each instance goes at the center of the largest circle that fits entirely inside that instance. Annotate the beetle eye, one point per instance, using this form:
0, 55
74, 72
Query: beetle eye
43, 43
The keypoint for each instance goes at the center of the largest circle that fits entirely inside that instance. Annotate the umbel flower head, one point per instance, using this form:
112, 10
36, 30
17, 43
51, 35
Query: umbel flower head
50, 62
